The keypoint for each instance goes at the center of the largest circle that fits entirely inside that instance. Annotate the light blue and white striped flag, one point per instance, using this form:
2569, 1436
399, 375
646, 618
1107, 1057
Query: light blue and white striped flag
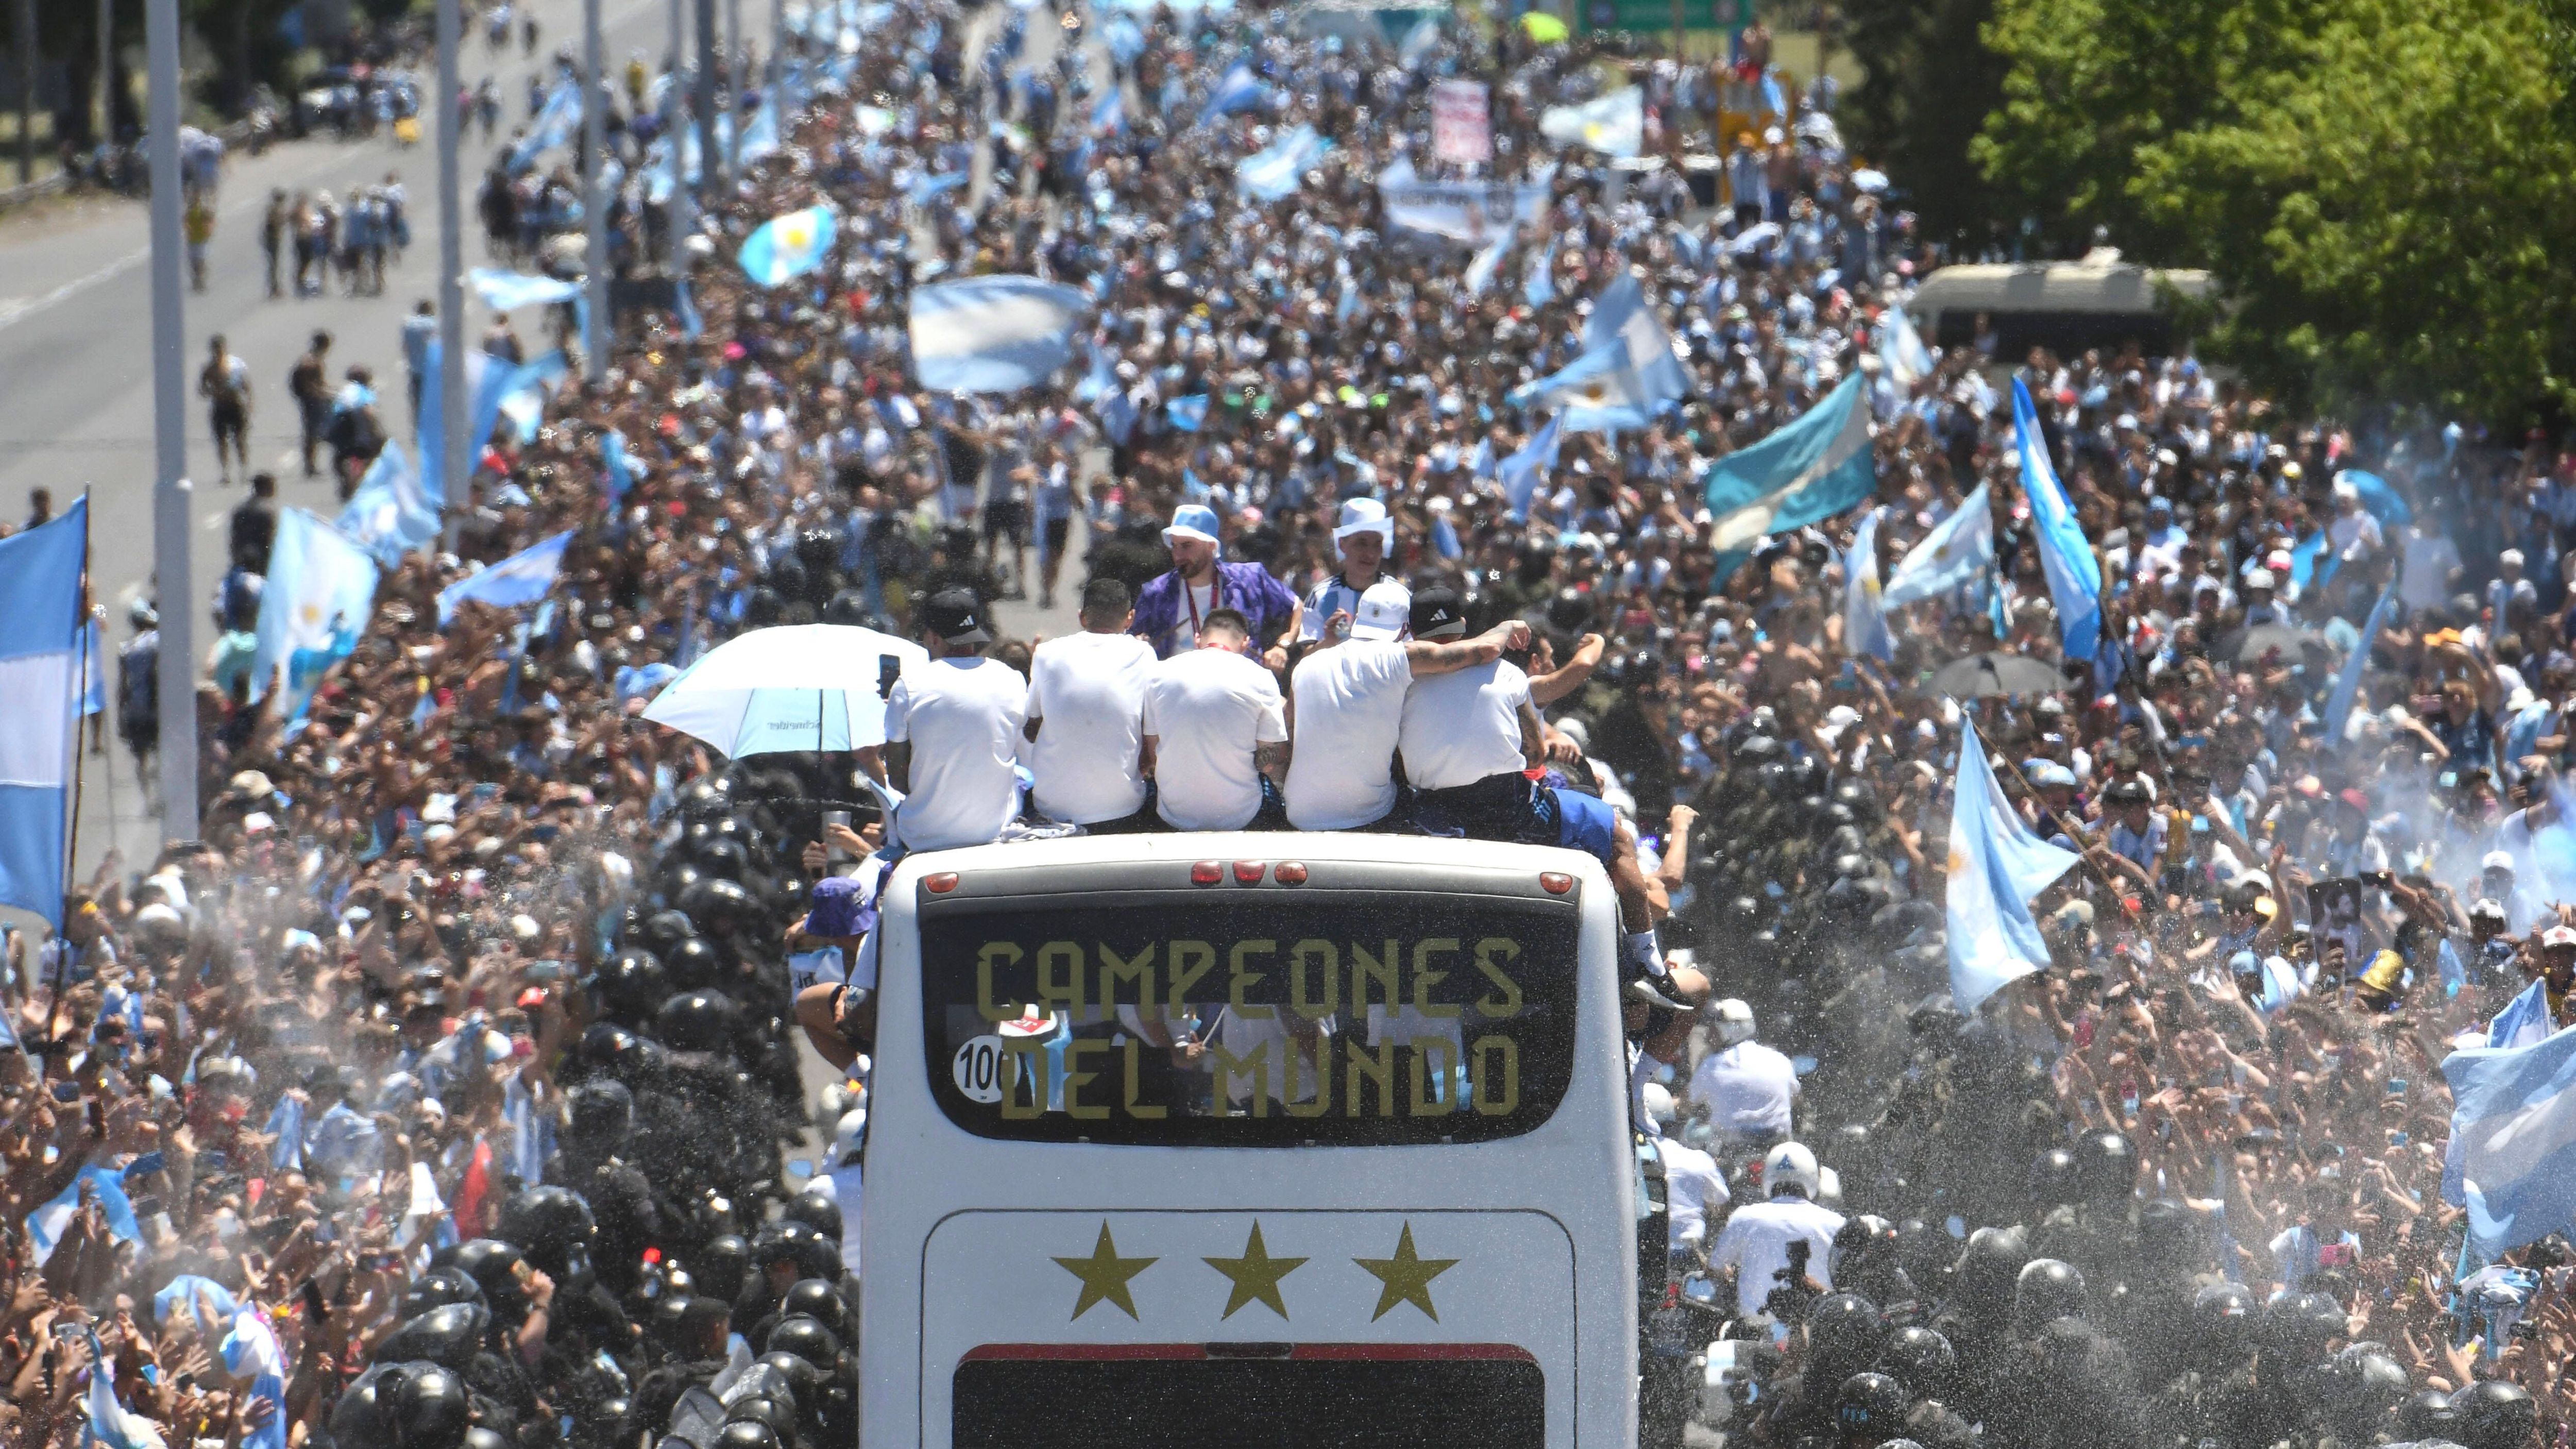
321, 592
2513, 1133
522, 578
2347, 684
1901, 349
41, 632
1481, 268
993, 334
2074, 574
1996, 866
392, 512
1278, 169
617, 465
504, 291
1957, 552
1237, 90
45, 1226
1865, 628
786, 247
1538, 284
1519, 473
1815, 467
111, 1424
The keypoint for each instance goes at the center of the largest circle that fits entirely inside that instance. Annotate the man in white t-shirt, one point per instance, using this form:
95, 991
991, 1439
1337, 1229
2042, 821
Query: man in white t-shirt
953, 734
1350, 710
1086, 716
1467, 735
1216, 730
1745, 1090
1361, 590
1755, 1241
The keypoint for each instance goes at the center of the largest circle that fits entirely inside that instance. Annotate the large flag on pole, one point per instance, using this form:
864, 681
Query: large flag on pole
995, 333
522, 578
392, 512
2348, 684
1901, 349
41, 638
1804, 473
1865, 628
2074, 574
1957, 552
321, 591
1622, 319
1996, 866
2513, 1134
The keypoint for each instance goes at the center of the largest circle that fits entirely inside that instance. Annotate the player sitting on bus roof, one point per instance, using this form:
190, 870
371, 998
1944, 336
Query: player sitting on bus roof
1350, 692
1176, 605
952, 735
1086, 711
1216, 732
1469, 739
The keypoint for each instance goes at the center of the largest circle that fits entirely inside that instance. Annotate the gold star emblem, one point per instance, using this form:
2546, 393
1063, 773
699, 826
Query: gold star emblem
1406, 1277
1255, 1275
1104, 1275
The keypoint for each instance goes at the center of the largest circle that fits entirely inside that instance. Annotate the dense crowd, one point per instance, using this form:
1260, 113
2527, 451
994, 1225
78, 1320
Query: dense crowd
437, 1094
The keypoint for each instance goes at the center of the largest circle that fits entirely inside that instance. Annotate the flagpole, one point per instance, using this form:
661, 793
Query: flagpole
80, 718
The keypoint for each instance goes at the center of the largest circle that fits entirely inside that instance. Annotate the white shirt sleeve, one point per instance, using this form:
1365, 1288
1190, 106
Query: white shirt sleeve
1274, 714
898, 713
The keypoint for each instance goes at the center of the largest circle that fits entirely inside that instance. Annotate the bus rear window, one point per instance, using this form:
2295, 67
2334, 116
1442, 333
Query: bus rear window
1328, 1019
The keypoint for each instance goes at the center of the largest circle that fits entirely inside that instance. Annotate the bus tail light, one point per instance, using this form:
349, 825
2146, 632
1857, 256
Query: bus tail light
1249, 872
1554, 882
940, 883
1206, 872
1290, 872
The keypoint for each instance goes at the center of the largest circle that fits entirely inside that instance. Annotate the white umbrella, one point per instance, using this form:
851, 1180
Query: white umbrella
798, 687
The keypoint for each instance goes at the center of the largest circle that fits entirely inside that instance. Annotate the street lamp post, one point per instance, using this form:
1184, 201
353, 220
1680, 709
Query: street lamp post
710, 160
176, 676
594, 198
676, 214
456, 466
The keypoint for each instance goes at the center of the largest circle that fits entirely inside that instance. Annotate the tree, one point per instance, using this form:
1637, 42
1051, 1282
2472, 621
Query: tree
1928, 81
2380, 187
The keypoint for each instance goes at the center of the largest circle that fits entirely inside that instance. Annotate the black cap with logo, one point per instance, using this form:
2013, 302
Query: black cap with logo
955, 617
1438, 612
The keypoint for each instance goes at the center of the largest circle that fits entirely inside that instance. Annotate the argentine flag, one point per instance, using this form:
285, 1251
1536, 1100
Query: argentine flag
392, 512
1901, 349
2074, 574
993, 334
1276, 170
1237, 90
251, 1351
321, 592
46, 1224
2513, 1138
1996, 866
1958, 551
504, 291
1519, 473
1614, 125
1538, 284
522, 578
41, 635
1864, 620
616, 464
2348, 683
1621, 318
1481, 268
111, 1424
1808, 471
786, 247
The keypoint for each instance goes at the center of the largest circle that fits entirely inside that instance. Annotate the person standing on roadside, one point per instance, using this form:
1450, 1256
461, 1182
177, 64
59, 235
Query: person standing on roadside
417, 330
275, 228
310, 385
138, 690
197, 228
225, 385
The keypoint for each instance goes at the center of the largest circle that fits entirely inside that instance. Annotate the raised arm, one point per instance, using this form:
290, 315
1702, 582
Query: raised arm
1568, 677
1426, 658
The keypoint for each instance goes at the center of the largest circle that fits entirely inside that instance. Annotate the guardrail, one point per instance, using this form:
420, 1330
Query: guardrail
12, 197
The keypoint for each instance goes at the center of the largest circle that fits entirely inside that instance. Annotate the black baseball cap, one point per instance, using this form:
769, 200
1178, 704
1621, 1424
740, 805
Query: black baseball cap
956, 617
1438, 612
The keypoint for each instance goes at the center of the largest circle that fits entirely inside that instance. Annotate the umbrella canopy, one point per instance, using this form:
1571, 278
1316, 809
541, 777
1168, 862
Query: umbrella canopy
1544, 28
2252, 644
1992, 675
795, 688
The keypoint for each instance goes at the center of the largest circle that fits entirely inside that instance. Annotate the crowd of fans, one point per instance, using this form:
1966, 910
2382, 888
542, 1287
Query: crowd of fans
437, 1094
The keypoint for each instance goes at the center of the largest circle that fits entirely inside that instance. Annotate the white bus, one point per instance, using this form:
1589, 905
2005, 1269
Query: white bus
1212, 1141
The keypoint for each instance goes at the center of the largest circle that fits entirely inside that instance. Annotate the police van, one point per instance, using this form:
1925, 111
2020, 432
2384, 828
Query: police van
1204, 1141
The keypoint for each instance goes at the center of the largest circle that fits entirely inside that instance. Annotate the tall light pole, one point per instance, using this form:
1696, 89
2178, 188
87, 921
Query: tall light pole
456, 467
735, 75
710, 159
777, 45
176, 675
107, 72
594, 197
675, 215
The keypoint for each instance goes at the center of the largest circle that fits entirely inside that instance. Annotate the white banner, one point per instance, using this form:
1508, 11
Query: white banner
1468, 211
1462, 126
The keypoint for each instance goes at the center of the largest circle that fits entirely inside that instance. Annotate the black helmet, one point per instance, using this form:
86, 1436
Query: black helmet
723, 858
664, 929
1936, 1426
494, 1267
2107, 1167
1844, 1329
2222, 1322
2165, 1231
696, 1021
1921, 1249
849, 606
2055, 1179
1863, 1242
820, 1301
555, 1227
721, 1265
2494, 1414
747, 1434
762, 1409
2366, 1388
1870, 1404
1921, 1359
632, 985
436, 1289
694, 964
806, 1338
1989, 1269
605, 1044
2426, 1416
804, 1381
2298, 1327
602, 1112
449, 1335
2046, 1291
816, 1211
359, 1416
427, 1406
720, 902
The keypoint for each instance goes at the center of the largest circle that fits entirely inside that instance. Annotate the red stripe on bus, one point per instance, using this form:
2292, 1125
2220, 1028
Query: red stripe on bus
1412, 1351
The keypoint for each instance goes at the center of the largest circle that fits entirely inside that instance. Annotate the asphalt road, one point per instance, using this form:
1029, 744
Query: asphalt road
75, 349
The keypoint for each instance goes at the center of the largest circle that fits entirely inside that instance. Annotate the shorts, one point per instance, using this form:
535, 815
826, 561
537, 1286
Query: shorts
1007, 519
1583, 822
1497, 807
230, 421
1052, 533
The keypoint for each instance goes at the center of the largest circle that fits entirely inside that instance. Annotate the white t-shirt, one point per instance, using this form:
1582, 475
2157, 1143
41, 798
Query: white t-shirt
1350, 711
1463, 727
1090, 691
1207, 709
1691, 1182
1755, 1242
1746, 1088
962, 717
1384, 610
